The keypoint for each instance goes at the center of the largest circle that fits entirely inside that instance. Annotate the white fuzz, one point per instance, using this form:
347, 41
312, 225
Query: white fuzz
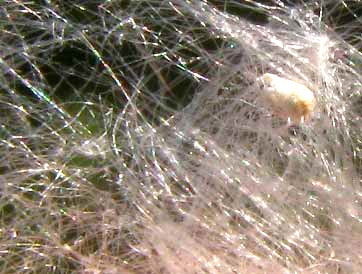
144, 137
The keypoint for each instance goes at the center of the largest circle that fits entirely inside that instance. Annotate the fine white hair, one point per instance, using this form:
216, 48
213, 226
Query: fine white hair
139, 137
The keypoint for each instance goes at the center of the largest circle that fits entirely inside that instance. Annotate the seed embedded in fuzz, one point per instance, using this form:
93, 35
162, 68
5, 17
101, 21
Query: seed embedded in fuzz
288, 99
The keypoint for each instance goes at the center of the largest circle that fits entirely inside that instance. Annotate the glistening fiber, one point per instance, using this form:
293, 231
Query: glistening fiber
181, 137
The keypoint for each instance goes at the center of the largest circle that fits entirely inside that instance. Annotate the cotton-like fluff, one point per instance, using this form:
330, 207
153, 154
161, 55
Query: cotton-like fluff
180, 136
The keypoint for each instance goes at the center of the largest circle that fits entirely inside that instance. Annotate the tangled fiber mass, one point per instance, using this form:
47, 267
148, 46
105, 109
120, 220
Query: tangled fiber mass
142, 137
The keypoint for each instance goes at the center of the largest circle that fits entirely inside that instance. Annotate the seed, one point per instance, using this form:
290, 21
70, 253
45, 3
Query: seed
288, 99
